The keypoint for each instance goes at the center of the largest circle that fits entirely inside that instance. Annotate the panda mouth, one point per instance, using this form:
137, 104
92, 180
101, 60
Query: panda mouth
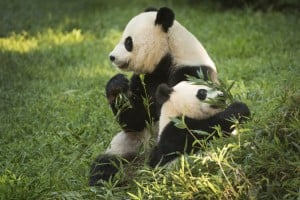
216, 106
123, 66
218, 103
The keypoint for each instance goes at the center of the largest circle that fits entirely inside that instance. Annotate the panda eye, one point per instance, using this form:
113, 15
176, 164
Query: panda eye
201, 94
128, 44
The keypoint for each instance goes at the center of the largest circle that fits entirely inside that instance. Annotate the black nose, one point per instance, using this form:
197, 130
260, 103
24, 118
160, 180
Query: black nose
112, 58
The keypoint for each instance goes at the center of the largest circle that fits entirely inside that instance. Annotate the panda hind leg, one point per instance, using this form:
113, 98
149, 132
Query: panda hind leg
123, 149
105, 167
172, 143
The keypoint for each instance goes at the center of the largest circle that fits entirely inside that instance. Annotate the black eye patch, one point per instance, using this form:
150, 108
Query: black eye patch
128, 44
201, 94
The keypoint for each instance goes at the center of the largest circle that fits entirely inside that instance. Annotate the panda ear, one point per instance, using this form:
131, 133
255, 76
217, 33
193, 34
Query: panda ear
165, 17
163, 92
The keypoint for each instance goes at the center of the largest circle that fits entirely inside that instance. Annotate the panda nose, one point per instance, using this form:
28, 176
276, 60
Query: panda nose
221, 95
221, 98
112, 58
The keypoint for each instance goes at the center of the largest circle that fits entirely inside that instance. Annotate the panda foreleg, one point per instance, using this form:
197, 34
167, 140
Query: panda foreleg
127, 105
117, 85
236, 110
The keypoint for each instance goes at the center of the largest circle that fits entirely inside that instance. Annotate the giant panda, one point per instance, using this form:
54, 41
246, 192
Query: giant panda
157, 49
201, 108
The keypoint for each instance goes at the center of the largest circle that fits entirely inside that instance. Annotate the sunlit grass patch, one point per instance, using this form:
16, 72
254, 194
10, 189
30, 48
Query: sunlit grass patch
18, 43
23, 42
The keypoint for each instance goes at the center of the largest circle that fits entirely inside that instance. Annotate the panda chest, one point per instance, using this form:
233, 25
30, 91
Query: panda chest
147, 92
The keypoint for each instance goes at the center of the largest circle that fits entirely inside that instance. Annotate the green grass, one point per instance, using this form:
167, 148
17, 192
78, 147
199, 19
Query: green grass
54, 118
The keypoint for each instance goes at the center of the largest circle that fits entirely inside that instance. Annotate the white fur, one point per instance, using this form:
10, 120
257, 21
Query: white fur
186, 49
127, 143
151, 43
183, 101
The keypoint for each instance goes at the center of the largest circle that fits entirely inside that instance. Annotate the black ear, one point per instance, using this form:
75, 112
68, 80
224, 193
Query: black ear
163, 92
165, 17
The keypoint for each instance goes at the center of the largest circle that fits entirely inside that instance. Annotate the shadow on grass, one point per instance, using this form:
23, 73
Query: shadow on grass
34, 15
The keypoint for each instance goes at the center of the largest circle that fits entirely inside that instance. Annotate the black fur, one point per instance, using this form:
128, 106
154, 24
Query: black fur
128, 44
132, 118
201, 94
174, 141
181, 73
116, 85
104, 166
165, 17
163, 93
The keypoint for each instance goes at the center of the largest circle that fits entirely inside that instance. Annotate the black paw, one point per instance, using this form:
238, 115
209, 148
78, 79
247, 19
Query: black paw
116, 85
154, 157
158, 158
238, 110
103, 169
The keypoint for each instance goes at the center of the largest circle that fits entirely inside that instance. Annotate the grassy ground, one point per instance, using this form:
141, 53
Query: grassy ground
54, 118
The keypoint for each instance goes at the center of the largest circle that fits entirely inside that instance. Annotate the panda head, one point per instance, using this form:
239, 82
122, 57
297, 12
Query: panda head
153, 34
144, 41
187, 99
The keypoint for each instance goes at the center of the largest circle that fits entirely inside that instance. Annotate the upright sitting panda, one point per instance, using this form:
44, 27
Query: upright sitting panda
191, 102
157, 49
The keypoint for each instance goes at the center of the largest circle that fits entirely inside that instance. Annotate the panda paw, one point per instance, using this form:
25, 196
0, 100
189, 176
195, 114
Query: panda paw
154, 157
238, 110
116, 85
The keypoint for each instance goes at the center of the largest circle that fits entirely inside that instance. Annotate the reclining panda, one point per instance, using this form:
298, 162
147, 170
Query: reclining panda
157, 49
